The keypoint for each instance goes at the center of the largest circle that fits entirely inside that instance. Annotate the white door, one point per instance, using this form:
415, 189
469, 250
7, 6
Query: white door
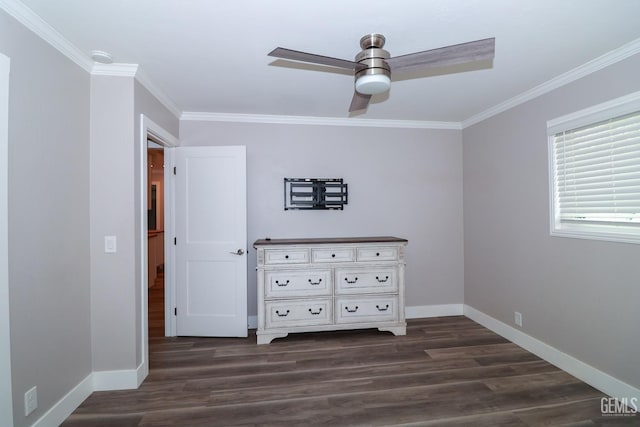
211, 239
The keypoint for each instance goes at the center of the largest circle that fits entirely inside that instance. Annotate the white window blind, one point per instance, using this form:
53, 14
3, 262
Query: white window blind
597, 173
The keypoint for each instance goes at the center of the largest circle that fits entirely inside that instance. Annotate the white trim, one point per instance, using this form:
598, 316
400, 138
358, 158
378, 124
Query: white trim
96, 381
611, 233
596, 113
420, 311
170, 320
587, 373
134, 70
164, 99
115, 70
609, 58
46, 32
319, 121
125, 379
149, 127
252, 322
6, 396
64, 407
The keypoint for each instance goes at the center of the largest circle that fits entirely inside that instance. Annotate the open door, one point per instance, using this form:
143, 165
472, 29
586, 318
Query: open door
211, 238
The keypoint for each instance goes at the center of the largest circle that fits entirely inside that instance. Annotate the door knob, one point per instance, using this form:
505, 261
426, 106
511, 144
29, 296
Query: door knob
238, 252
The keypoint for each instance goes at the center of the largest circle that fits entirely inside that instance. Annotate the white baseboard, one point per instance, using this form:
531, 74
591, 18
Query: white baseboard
125, 379
252, 322
587, 373
65, 406
418, 311
141, 373
96, 381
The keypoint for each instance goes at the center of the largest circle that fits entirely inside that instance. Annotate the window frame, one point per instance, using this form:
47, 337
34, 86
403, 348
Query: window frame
589, 116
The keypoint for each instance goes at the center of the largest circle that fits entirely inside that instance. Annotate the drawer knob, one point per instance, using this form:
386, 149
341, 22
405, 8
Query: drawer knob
282, 284
386, 278
315, 313
286, 257
353, 310
355, 279
386, 307
315, 283
377, 253
283, 314
333, 255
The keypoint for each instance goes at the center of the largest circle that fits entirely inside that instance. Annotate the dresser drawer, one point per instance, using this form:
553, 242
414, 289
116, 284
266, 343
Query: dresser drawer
286, 256
377, 254
358, 281
298, 312
333, 255
294, 283
366, 309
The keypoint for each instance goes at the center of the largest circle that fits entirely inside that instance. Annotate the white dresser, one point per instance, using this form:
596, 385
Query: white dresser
309, 285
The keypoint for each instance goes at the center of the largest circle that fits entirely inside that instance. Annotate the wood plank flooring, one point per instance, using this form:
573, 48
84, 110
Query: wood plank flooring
447, 371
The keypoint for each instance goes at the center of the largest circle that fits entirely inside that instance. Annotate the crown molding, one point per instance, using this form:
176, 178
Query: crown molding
46, 32
320, 121
114, 70
133, 70
162, 97
609, 58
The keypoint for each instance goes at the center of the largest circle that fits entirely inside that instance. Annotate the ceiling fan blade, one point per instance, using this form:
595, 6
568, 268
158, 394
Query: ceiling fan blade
359, 101
445, 56
295, 55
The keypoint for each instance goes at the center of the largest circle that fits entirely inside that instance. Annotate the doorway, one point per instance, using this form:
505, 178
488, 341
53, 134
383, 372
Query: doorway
149, 130
155, 239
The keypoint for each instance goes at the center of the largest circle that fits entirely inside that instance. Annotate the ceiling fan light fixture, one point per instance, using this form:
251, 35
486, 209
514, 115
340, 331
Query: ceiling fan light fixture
372, 84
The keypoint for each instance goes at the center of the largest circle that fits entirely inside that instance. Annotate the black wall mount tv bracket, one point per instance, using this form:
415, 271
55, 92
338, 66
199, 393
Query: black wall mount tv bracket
314, 193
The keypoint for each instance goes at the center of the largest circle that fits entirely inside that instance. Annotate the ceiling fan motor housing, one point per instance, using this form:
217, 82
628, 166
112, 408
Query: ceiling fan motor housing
376, 78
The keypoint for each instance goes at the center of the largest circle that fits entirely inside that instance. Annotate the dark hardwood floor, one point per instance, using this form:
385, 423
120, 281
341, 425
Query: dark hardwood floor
447, 371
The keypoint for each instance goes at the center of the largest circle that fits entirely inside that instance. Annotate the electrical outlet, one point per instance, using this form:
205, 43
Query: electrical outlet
30, 400
518, 318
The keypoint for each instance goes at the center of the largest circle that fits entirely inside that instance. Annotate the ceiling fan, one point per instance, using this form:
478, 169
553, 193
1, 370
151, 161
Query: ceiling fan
373, 65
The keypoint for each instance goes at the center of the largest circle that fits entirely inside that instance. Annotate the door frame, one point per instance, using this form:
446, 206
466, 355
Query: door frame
151, 130
6, 389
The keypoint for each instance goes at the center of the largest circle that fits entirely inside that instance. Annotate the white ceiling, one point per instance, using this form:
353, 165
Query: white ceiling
211, 56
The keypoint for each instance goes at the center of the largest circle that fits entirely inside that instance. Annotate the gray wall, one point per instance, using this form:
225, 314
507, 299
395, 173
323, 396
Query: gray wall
48, 219
116, 105
579, 296
112, 214
402, 182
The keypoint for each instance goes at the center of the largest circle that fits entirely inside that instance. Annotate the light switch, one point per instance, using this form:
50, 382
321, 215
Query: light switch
110, 244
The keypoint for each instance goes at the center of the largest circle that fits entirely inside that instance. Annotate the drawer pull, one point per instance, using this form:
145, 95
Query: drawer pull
386, 307
315, 313
333, 255
282, 284
286, 257
315, 283
382, 280
377, 253
351, 311
355, 279
282, 315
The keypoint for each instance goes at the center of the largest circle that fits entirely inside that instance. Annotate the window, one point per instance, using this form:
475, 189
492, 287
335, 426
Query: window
594, 158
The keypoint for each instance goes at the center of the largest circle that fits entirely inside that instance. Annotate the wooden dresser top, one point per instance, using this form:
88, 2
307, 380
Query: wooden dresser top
328, 241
